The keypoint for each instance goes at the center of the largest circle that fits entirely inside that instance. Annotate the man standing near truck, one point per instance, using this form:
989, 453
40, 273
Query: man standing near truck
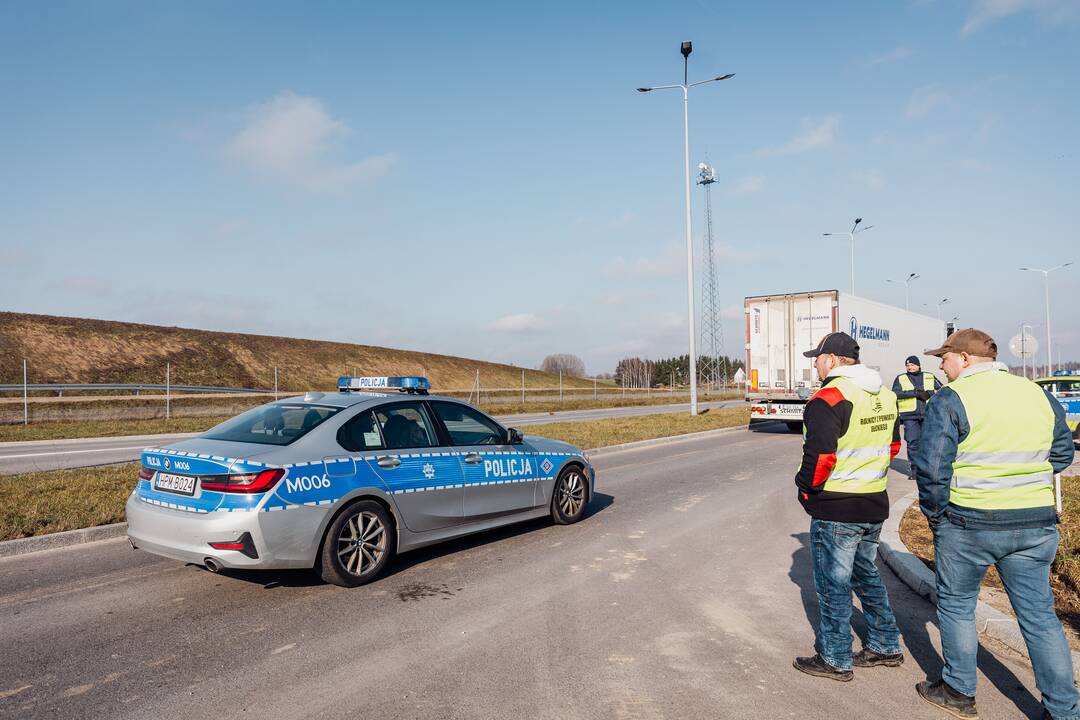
851, 433
913, 389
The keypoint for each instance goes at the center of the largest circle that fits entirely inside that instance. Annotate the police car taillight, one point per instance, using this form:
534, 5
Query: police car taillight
246, 483
145, 473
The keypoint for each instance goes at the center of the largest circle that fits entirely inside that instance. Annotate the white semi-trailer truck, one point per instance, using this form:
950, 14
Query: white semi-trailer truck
779, 328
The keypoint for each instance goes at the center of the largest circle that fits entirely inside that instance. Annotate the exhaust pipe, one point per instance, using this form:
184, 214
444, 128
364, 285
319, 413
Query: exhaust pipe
211, 564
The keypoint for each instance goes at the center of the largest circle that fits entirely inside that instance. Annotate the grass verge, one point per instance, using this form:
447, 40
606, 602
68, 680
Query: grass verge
1064, 574
47, 502
154, 426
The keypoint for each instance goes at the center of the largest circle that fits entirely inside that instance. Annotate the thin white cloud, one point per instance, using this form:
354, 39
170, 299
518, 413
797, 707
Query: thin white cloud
871, 179
816, 134
925, 99
667, 263
749, 185
887, 58
291, 138
1050, 12
618, 298
731, 254
519, 323
88, 285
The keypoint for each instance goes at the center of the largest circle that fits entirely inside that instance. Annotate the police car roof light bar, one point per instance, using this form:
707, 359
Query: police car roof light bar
403, 383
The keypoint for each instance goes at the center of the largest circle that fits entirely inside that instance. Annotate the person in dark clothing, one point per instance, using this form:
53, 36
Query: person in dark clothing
913, 389
851, 435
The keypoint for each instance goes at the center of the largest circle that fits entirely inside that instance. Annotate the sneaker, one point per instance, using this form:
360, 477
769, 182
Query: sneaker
872, 658
955, 703
817, 667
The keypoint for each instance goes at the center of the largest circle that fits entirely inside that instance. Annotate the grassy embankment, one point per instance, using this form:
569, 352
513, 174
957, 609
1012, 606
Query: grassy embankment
1065, 573
159, 425
76, 350
45, 502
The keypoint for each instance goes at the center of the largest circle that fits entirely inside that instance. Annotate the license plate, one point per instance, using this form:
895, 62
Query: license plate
179, 484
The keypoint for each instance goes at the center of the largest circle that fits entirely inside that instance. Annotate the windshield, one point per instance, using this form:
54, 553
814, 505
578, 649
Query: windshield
272, 424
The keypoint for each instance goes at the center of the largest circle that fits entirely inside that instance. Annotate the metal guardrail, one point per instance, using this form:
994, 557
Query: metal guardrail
127, 387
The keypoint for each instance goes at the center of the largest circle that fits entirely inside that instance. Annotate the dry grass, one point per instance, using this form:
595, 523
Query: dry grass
77, 350
615, 431
1065, 573
48, 502
205, 417
45, 502
108, 428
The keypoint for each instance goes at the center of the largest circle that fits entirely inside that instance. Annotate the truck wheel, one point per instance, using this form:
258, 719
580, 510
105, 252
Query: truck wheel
794, 426
358, 545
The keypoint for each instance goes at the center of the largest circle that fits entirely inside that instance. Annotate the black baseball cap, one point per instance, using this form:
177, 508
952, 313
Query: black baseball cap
837, 343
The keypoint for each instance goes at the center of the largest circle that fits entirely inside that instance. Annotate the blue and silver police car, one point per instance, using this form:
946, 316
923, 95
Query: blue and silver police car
1065, 386
340, 482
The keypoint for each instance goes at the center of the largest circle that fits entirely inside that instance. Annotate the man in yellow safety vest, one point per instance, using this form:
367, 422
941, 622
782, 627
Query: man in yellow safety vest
913, 388
850, 436
986, 483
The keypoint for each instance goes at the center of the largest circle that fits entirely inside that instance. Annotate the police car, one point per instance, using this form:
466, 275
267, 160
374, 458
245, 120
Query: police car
1065, 386
343, 481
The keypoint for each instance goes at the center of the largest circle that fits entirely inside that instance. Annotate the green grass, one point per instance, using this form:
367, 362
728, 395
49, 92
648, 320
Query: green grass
53, 501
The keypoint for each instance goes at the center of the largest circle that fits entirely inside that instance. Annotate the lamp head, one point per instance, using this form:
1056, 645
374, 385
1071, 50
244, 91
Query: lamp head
687, 48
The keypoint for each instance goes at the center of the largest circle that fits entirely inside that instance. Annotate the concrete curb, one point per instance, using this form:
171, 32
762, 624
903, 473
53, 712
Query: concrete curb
990, 622
23, 546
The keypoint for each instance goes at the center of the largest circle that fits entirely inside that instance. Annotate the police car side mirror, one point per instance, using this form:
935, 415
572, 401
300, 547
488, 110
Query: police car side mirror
514, 436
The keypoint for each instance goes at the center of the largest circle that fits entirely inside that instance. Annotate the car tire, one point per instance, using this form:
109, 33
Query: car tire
570, 496
358, 545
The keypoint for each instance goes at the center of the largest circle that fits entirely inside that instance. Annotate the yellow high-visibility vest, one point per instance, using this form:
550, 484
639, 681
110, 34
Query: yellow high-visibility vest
863, 452
907, 405
1004, 462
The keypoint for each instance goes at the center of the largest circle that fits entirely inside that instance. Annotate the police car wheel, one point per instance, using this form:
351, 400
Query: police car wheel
570, 496
358, 545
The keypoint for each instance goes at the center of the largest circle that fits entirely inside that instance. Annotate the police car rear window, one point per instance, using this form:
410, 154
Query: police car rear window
278, 424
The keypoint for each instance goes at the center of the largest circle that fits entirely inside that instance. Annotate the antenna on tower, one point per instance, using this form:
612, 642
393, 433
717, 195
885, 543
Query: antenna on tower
714, 364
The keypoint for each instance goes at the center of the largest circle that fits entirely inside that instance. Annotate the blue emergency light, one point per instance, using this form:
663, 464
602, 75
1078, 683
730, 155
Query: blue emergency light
406, 384
1064, 373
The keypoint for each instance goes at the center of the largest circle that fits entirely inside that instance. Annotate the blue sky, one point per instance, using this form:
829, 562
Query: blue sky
481, 179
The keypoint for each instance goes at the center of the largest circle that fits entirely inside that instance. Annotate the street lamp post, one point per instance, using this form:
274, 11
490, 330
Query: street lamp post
1046, 278
907, 288
855, 229
938, 305
686, 48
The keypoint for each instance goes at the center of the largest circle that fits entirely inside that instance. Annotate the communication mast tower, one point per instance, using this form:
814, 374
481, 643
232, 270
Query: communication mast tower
714, 365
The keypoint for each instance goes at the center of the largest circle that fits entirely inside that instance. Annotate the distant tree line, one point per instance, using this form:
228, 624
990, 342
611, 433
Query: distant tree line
635, 372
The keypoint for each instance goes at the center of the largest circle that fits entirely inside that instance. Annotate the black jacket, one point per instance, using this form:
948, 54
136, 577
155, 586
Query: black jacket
826, 418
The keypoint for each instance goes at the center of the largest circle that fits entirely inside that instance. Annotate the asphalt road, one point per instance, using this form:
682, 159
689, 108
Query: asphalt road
19, 457
685, 593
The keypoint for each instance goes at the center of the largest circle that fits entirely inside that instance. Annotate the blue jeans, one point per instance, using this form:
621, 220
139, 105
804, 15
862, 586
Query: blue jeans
843, 557
1023, 558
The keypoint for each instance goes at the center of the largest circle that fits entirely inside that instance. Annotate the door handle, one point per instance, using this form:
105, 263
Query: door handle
389, 462
473, 459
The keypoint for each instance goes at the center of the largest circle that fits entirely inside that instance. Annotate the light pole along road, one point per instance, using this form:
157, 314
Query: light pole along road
686, 48
1046, 278
907, 288
855, 230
